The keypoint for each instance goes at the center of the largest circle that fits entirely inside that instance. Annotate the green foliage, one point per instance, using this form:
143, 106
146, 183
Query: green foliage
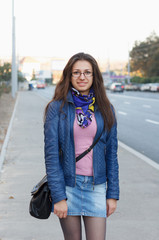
145, 57
20, 77
5, 72
145, 79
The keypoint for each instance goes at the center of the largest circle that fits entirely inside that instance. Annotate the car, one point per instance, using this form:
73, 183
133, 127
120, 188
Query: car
154, 87
107, 85
117, 87
41, 84
132, 87
145, 87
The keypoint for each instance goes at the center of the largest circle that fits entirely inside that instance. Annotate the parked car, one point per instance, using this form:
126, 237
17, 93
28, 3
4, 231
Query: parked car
117, 87
146, 87
132, 87
154, 87
107, 85
41, 84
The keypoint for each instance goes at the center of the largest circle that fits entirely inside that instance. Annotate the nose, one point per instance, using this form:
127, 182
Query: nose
82, 76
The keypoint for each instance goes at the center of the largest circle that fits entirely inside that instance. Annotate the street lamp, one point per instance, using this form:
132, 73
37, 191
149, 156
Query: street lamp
14, 68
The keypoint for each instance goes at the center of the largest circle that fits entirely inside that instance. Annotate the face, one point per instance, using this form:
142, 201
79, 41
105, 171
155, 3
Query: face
82, 76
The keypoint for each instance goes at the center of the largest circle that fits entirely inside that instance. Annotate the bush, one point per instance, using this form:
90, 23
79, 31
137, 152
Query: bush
137, 79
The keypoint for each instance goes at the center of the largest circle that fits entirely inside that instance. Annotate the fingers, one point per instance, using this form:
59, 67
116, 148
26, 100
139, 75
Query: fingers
111, 206
60, 209
61, 214
110, 211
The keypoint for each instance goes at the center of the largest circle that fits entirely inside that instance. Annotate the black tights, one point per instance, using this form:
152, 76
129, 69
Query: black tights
95, 228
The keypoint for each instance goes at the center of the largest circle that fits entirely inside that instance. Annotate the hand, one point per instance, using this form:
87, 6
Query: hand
111, 206
60, 209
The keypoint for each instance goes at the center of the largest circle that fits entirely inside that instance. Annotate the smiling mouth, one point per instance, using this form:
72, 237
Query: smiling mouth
82, 83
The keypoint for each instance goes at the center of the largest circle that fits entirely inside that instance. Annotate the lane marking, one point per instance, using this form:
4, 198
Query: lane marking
138, 98
152, 121
127, 102
146, 106
139, 155
122, 113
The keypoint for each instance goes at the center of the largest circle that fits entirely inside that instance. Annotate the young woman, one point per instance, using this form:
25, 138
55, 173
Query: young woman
77, 116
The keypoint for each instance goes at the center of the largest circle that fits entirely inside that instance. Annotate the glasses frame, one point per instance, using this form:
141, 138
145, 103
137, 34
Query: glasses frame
81, 74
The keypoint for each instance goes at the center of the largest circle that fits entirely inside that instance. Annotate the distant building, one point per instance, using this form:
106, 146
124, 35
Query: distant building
57, 66
28, 66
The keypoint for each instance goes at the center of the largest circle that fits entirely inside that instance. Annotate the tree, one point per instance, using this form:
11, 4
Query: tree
145, 56
5, 72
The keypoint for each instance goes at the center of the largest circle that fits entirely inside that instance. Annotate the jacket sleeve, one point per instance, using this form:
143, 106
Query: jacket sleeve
112, 170
54, 170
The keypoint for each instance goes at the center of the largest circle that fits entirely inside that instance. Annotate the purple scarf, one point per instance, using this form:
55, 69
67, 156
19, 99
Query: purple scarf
84, 107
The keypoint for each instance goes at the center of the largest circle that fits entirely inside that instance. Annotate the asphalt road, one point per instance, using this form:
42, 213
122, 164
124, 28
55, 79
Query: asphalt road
138, 119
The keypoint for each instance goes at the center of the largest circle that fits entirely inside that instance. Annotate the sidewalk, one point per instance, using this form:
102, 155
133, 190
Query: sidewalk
137, 215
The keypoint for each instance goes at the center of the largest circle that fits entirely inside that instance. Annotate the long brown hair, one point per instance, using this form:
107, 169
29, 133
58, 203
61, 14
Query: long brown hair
102, 100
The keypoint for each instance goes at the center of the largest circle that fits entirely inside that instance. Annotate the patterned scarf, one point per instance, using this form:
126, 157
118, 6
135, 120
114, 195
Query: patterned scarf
84, 107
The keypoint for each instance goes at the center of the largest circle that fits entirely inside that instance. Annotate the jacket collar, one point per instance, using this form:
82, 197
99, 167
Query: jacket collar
69, 97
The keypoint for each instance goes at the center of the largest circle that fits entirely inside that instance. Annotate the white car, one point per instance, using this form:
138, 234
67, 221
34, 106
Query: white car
154, 87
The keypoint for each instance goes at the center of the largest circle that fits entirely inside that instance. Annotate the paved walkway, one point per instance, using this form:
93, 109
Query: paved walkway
136, 218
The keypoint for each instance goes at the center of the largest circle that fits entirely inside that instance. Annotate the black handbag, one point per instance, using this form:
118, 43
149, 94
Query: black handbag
41, 205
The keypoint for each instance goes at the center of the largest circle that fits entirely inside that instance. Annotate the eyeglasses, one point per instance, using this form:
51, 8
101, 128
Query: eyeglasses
77, 74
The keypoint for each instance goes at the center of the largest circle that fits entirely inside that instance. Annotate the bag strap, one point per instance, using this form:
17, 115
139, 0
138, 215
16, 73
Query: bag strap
89, 149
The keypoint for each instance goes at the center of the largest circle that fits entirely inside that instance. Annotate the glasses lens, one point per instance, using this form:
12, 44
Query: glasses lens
88, 74
78, 74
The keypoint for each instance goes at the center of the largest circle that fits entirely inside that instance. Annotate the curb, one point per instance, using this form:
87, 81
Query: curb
139, 155
6, 140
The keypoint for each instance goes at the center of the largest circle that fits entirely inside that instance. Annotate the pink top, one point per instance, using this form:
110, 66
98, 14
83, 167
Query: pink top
83, 138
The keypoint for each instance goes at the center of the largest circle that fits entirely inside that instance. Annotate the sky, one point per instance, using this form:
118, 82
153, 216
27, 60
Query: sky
106, 29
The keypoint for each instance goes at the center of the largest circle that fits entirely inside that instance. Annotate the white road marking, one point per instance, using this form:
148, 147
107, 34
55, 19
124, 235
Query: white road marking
139, 155
127, 102
123, 113
146, 106
138, 98
151, 121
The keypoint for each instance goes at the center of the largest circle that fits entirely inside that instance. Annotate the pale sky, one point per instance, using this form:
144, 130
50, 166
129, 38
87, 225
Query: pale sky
61, 28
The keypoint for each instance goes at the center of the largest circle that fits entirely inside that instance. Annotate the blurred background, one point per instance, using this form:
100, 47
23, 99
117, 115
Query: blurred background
38, 37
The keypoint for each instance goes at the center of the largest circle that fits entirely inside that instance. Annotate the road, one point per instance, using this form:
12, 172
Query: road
138, 119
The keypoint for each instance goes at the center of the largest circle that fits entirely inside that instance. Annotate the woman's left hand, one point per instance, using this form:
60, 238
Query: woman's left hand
111, 206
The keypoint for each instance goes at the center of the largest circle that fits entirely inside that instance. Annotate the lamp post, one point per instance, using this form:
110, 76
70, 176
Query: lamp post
14, 68
128, 65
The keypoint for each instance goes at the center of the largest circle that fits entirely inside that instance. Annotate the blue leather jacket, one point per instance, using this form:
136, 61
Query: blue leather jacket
60, 151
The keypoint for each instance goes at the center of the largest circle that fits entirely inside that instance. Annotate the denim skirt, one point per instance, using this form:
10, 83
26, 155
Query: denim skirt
86, 199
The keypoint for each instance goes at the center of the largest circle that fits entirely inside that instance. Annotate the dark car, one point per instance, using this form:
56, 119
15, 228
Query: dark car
117, 87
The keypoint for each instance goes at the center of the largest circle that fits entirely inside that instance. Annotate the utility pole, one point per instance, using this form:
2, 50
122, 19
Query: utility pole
128, 66
14, 68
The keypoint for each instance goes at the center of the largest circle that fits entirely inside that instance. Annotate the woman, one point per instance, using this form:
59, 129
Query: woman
78, 115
